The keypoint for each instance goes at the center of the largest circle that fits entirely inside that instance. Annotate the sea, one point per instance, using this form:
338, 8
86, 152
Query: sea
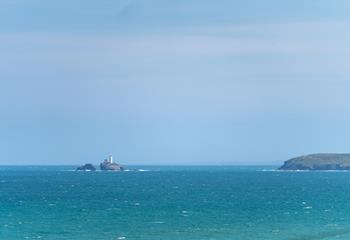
173, 203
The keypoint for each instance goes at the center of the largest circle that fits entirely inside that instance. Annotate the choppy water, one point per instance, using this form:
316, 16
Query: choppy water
173, 203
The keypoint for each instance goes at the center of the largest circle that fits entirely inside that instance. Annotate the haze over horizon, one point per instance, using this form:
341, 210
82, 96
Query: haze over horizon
180, 82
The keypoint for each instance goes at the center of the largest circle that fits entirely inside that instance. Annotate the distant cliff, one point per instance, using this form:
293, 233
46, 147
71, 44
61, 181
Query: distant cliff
321, 161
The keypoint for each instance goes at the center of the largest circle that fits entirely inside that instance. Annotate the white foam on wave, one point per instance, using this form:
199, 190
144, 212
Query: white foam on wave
309, 207
291, 171
98, 170
157, 222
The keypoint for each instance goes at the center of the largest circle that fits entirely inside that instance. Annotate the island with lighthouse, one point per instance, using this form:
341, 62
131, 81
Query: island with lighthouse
106, 165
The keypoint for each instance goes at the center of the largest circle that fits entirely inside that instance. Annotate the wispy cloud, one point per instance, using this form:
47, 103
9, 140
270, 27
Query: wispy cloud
289, 38
285, 61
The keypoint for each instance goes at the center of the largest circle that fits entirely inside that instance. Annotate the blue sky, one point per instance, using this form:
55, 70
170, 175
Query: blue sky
173, 82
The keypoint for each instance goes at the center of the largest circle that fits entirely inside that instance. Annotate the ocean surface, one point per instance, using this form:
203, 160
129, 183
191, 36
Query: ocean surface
209, 202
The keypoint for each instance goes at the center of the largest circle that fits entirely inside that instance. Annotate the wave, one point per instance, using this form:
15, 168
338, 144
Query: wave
126, 170
289, 171
323, 235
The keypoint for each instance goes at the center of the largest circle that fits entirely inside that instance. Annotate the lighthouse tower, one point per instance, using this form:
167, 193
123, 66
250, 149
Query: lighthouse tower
110, 158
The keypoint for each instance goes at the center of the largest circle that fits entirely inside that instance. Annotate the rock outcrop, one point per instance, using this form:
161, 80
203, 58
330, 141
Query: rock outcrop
110, 166
86, 167
321, 161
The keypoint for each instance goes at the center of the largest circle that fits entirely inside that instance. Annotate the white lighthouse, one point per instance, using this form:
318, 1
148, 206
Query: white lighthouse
110, 158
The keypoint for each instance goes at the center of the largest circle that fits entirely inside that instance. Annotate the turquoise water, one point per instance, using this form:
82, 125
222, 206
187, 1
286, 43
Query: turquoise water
173, 203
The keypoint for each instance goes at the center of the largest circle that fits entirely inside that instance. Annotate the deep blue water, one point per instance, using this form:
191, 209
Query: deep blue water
173, 203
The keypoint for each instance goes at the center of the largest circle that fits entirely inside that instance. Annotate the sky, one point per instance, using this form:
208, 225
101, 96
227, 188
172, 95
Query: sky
173, 82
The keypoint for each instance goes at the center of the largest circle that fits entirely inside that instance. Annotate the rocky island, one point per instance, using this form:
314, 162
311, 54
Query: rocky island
106, 165
320, 161
109, 165
86, 167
